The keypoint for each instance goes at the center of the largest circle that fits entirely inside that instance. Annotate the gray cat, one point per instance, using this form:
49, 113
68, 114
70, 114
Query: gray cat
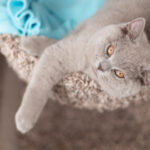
111, 48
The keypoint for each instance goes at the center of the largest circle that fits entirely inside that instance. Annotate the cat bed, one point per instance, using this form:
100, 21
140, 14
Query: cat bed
75, 89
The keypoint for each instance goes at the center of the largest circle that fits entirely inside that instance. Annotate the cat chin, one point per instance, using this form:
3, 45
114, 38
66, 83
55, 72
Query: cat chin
123, 93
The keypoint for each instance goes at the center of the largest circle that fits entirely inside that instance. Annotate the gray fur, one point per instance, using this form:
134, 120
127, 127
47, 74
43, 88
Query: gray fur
84, 49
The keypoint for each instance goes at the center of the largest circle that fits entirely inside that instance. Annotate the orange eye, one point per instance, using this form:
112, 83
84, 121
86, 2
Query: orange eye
119, 74
110, 50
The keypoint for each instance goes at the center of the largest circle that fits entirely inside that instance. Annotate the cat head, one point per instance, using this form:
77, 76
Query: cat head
122, 58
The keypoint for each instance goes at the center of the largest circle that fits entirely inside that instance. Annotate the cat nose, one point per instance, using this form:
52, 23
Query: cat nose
104, 66
100, 67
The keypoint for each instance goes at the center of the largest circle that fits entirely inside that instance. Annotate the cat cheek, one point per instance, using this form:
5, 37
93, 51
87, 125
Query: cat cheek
145, 81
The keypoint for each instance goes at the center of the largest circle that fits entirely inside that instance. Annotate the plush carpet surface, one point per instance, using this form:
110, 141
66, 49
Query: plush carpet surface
65, 128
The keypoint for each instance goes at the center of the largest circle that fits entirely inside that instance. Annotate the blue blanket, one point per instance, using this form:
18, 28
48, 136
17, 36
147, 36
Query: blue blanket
51, 18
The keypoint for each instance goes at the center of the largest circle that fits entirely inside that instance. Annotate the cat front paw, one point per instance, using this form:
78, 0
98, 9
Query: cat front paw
24, 123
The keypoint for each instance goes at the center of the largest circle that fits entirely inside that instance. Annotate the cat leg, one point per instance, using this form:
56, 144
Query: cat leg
35, 45
56, 61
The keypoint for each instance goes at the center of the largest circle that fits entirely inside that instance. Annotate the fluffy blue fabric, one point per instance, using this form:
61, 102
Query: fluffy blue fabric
51, 18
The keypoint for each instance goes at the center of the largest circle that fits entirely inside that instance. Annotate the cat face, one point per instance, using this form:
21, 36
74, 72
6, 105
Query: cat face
121, 56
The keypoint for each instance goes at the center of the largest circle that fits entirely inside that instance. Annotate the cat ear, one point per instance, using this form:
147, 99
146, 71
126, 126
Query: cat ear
135, 28
145, 78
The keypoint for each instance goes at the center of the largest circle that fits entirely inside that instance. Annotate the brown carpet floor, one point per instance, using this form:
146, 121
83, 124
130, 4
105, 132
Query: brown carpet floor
65, 128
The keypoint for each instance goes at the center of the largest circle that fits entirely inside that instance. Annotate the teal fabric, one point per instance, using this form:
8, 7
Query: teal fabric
51, 18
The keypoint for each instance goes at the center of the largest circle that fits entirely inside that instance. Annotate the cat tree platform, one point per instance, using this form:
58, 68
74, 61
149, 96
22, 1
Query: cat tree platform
75, 89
